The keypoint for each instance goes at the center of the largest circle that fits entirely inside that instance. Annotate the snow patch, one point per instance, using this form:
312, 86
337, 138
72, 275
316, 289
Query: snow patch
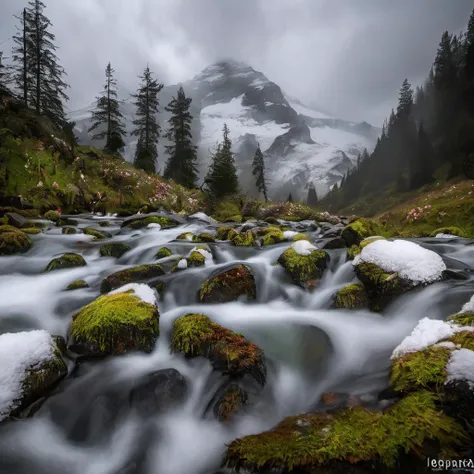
426, 333
153, 225
409, 260
19, 352
207, 255
183, 263
303, 247
469, 306
445, 236
461, 367
140, 290
301, 109
289, 234
203, 217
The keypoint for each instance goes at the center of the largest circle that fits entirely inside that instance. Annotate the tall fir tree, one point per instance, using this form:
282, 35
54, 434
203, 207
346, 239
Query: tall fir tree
5, 76
221, 178
147, 128
312, 195
290, 198
181, 164
107, 116
38, 73
258, 170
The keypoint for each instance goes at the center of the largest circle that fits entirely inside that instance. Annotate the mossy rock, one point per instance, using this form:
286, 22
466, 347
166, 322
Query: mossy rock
115, 324
358, 230
206, 237
304, 268
131, 275
196, 259
189, 236
352, 297
227, 212
69, 231
163, 253
229, 285
114, 249
462, 319
104, 224
232, 402
68, 260
351, 440
70, 222
370, 240
353, 251
456, 231
195, 335
145, 221
271, 220
244, 239
270, 236
298, 237
8, 228
98, 234
225, 233
53, 216
14, 242
32, 230
77, 285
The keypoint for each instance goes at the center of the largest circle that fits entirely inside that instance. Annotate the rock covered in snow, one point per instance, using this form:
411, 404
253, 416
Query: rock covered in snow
203, 217
182, 264
30, 363
140, 290
461, 367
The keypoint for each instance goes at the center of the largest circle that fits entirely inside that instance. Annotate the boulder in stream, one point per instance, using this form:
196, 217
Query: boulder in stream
124, 320
131, 275
76, 285
140, 221
233, 401
30, 365
225, 233
358, 230
352, 297
68, 260
114, 249
229, 285
13, 241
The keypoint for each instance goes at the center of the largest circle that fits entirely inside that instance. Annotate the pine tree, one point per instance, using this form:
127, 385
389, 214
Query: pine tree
38, 73
181, 164
405, 101
312, 196
147, 128
5, 77
108, 117
221, 178
258, 170
290, 198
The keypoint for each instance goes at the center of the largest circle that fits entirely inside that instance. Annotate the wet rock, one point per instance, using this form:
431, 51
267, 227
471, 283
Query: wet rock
98, 234
76, 285
69, 231
358, 230
114, 324
270, 236
352, 297
195, 335
139, 221
232, 402
164, 252
229, 285
334, 243
114, 249
226, 233
54, 216
159, 392
13, 241
244, 239
17, 221
131, 275
68, 260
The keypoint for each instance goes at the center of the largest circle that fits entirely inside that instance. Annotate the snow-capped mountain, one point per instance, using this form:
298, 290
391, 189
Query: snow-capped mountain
300, 144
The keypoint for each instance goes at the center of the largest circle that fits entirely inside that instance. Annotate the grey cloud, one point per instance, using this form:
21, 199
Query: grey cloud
347, 57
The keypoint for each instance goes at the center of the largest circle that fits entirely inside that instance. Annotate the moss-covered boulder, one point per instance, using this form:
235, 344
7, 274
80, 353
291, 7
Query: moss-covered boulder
351, 440
206, 237
164, 252
13, 241
196, 259
225, 233
53, 216
32, 230
358, 230
104, 224
229, 285
270, 236
114, 249
8, 228
68, 260
244, 239
131, 275
115, 324
352, 297
304, 262
189, 236
196, 335
98, 234
69, 231
139, 222
300, 236
353, 251
455, 231
34, 364
233, 401
77, 285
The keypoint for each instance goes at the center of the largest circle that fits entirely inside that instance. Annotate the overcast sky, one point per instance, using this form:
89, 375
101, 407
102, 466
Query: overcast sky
349, 57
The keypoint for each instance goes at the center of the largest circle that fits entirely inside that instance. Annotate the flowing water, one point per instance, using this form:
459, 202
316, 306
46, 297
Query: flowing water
310, 347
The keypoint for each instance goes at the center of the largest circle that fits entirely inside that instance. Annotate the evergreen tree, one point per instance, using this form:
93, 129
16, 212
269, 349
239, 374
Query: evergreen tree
469, 64
312, 196
5, 77
39, 75
107, 116
405, 101
181, 164
147, 128
290, 198
221, 178
258, 170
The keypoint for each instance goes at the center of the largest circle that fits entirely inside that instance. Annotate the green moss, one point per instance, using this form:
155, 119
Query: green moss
233, 401
130, 275
32, 230
187, 236
68, 260
76, 285
465, 339
358, 230
14, 242
98, 234
351, 435
225, 233
52, 216
116, 324
301, 237
8, 228
420, 370
352, 297
304, 268
196, 259
229, 286
271, 220
451, 231
196, 335
161, 220
353, 251
271, 235
227, 211
244, 239
369, 240
205, 237
462, 319
114, 249
104, 224
163, 253
68, 230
